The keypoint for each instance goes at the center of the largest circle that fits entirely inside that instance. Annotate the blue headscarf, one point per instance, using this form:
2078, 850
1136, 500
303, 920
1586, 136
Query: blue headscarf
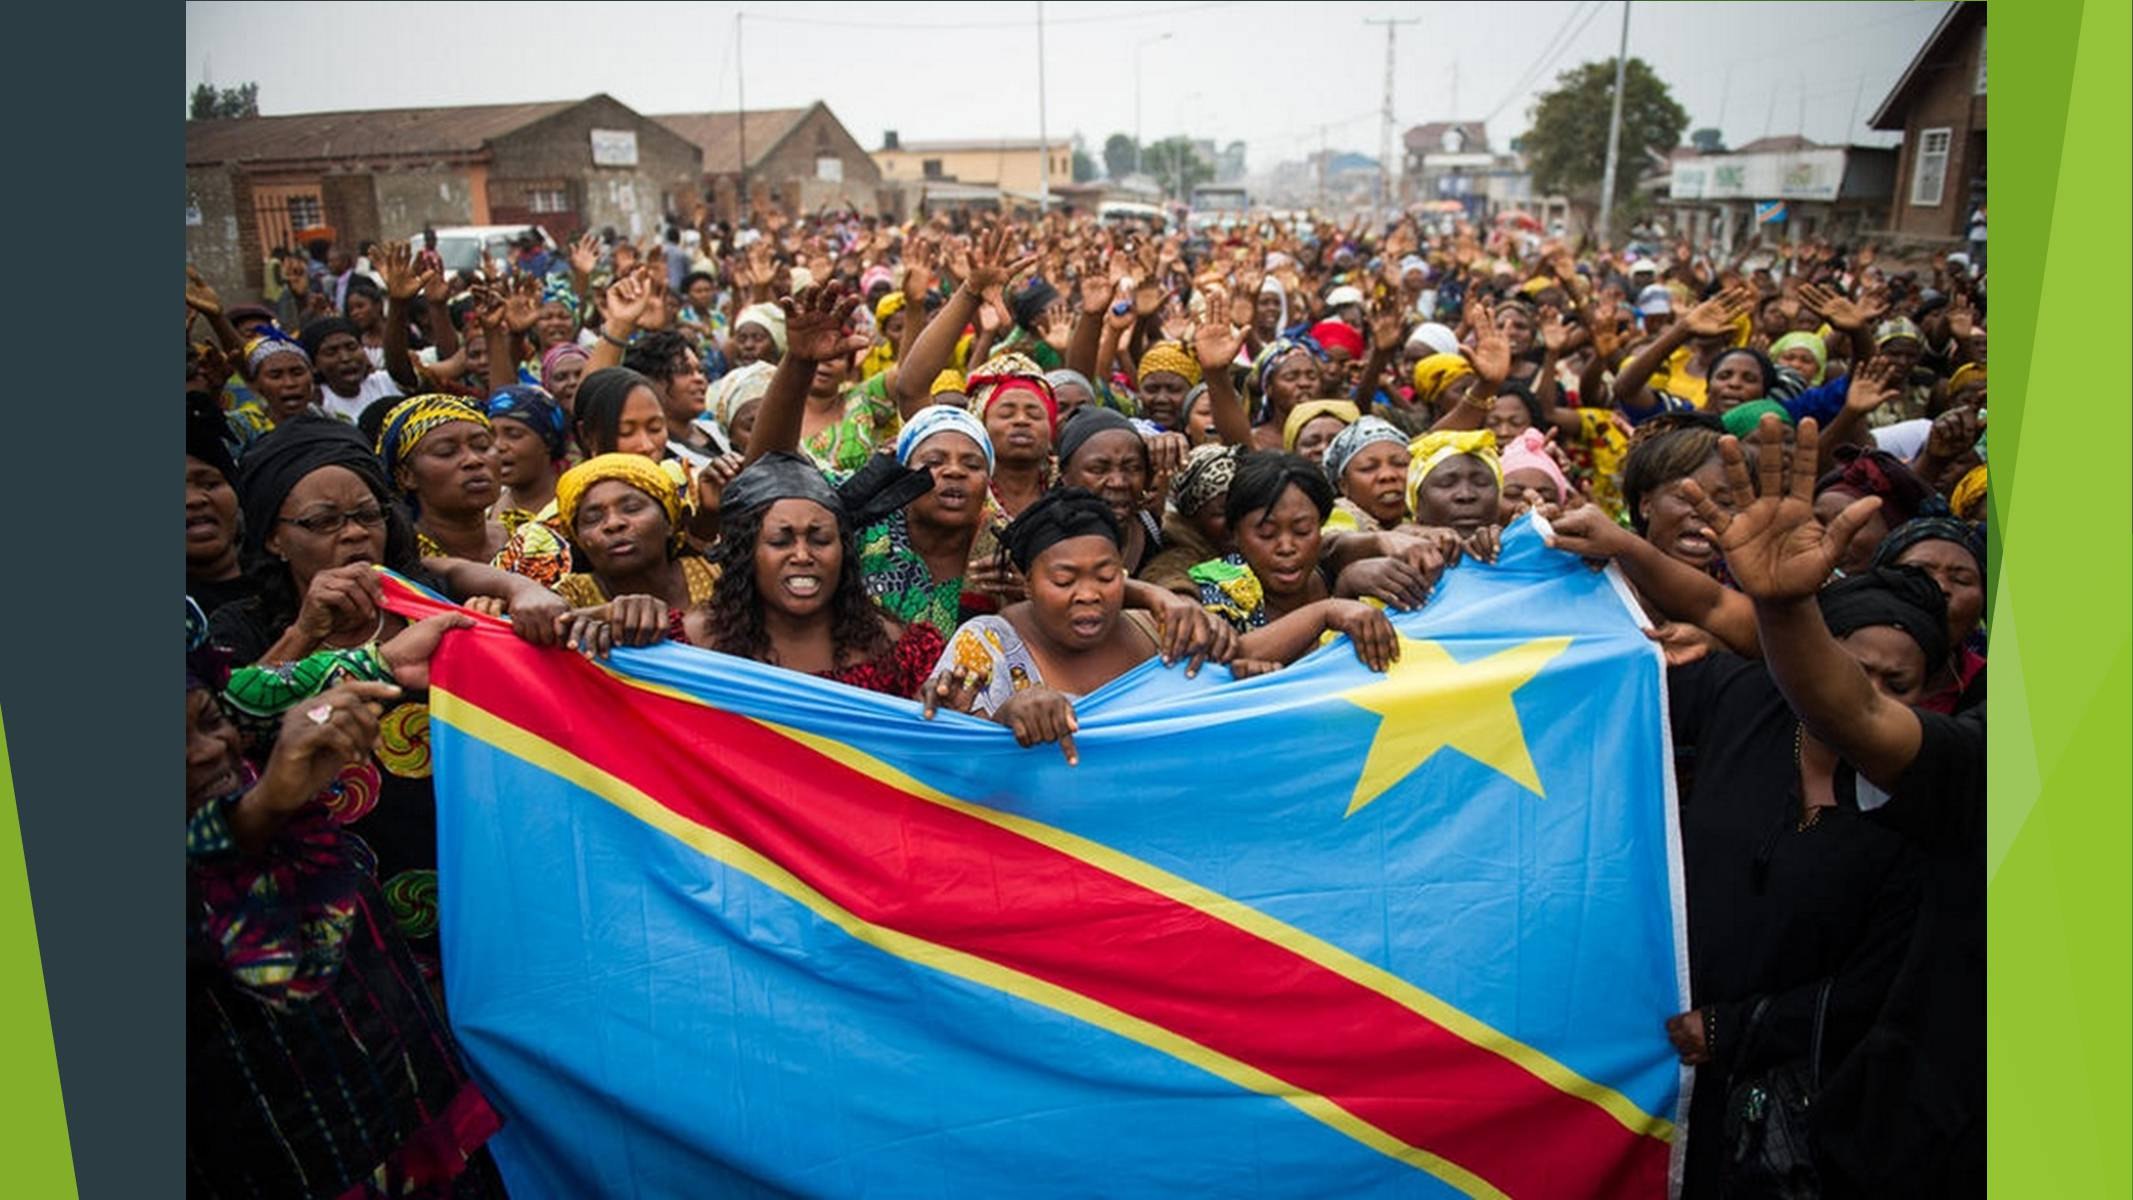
537, 410
941, 418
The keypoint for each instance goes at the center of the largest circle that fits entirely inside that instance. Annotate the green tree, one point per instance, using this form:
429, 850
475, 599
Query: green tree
1085, 168
1118, 156
207, 104
1176, 165
1566, 147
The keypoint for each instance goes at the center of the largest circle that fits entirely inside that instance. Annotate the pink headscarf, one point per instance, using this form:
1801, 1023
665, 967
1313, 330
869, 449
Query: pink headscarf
556, 354
1529, 452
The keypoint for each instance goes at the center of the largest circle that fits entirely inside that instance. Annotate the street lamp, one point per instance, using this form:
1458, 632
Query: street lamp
1161, 37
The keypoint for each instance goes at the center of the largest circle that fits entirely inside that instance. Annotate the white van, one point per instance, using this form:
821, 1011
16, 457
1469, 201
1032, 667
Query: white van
462, 247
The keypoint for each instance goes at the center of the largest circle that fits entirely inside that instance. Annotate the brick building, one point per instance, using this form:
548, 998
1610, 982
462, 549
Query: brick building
800, 160
251, 183
1939, 104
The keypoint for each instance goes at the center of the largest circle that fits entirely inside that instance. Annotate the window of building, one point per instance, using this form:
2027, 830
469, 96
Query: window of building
305, 212
830, 168
1929, 173
930, 168
548, 200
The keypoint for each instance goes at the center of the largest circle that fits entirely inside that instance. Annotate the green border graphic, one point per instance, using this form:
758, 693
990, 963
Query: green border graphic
2060, 904
34, 1145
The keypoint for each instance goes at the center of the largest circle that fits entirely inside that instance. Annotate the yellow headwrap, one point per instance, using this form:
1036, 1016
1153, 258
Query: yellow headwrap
1968, 499
1436, 373
635, 470
950, 380
1425, 453
1171, 357
416, 416
1303, 414
1966, 375
889, 306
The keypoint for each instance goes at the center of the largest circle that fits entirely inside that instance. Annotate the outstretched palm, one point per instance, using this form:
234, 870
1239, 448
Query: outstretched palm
815, 324
1774, 547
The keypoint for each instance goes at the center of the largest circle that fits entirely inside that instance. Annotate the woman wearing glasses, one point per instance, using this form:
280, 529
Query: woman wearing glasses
321, 516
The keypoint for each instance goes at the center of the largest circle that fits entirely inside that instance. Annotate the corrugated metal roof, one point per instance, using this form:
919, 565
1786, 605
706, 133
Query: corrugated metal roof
377, 133
718, 134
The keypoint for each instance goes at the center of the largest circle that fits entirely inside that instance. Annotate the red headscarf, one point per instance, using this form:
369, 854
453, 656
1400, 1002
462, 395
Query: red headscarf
1338, 334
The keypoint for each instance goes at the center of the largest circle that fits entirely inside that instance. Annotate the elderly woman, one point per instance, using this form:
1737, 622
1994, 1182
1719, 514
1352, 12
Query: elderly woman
1531, 476
278, 372
1104, 453
311, 1038
1287, 373
320, 510
758, 336
562, 369
1021, 414
1167, 372
440, 451
532, 448
1367, 463
735, 400
1071, 388
1454, 479
1314, 424
1196, 527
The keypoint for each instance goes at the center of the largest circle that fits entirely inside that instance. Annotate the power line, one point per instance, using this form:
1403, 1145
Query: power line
941, 26
1534, 68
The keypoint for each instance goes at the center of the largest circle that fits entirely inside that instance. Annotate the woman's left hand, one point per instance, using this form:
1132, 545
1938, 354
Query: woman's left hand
1686, 1031
1192, 634
408, 652
534, 613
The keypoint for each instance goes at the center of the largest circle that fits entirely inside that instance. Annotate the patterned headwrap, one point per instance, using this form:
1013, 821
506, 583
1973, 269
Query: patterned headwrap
1271, 358
553, 357
1205, 477
1349, 442
1436, 374
1006, 373
557, 289
1304, 413
535, 409
635, 470
1170, 357
266, 345
737, 387
767, 317
1529, 452
1813, 344
941, 418
1896, 329
1968, 499
1428, 452
410, 420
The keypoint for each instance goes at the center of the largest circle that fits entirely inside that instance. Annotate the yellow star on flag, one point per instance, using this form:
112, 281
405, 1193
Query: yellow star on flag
1429, 701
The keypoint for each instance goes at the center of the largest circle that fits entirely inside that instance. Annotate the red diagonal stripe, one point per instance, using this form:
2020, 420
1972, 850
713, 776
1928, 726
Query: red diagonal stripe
902, 862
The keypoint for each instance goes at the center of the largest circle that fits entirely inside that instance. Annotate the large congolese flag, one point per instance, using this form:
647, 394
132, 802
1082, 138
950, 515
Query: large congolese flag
712, 928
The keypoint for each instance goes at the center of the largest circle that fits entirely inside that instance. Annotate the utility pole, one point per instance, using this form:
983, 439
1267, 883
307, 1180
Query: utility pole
740, 120
1044, 143
1614, 134
1385, 114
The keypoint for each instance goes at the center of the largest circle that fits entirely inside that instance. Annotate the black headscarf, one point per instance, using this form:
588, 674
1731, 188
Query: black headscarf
1941, 528
207, 434
1903, 597
277, 462
316, 333
1263, 475
1029, 304
1086, 422
780, 475
1056, 516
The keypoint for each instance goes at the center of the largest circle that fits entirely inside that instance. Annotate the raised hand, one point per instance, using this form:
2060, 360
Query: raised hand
1850, 316
1954, 433
818, 324
1556, 334
627, 299
1962, 319
584, 255
1718, 314
1872, 387
993, 260
1388, 323
1774, 548
1217, 342
200, 296
1491, 351
523, 306
396, 261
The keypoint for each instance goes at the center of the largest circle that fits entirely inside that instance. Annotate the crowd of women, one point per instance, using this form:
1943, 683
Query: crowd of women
991, 467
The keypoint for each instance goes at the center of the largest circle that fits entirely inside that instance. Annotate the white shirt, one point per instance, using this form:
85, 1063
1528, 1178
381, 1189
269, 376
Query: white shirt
376, 386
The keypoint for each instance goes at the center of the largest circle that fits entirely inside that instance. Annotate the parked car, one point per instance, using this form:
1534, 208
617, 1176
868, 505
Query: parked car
462, 247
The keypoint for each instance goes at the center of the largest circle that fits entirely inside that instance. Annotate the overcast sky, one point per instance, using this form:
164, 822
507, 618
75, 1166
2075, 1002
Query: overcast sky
1268, 74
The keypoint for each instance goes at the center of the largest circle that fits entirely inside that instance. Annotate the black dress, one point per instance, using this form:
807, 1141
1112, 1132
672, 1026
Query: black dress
1774, 910
1906, 1115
